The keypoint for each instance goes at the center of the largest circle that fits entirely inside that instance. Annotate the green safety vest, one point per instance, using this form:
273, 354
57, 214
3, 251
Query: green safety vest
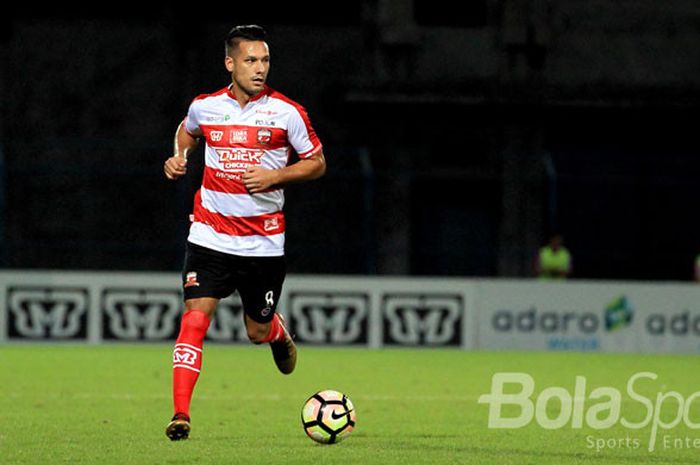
551, 262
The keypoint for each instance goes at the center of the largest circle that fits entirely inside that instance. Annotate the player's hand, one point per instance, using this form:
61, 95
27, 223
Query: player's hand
256, 179
175, 167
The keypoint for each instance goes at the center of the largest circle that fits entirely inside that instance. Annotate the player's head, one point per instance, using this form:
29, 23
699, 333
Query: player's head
247, 58
238, 34
556, 240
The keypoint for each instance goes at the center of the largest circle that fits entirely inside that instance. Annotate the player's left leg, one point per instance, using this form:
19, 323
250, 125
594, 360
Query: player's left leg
260, 287
284, 351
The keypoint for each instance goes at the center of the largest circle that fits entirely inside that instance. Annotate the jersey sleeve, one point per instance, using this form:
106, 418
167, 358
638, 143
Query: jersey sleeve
191, 122
301, 134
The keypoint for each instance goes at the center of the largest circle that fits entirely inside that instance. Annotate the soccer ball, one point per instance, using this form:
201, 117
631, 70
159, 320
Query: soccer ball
328, 417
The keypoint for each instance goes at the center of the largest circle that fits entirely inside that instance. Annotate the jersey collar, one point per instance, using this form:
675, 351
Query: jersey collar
265, 91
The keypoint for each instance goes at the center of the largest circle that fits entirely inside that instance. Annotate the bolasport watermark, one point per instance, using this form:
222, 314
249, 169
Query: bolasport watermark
650, 412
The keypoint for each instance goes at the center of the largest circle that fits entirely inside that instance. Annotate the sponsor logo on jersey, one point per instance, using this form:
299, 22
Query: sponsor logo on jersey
228, 177
216, 136
238, 159
271, 224
218, 118
264, 136
264, 122
238, 136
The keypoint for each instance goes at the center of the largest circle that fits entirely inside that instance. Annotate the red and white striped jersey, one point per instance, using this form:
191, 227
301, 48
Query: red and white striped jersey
226, 216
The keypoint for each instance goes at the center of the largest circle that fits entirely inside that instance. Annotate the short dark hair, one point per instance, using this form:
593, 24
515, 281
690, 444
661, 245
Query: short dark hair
240, 33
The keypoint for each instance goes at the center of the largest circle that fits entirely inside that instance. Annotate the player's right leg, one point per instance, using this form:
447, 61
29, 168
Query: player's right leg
187, 362
179, 427
205, 280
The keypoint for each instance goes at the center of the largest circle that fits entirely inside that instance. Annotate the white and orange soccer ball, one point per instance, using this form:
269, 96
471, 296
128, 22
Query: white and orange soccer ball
328, 417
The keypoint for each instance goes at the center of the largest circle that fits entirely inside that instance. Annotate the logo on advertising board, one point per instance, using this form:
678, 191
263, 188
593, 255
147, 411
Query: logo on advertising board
228, 323
681, 323
618, 314
568, 329
339, 317
51, 312
423, 319
140, 314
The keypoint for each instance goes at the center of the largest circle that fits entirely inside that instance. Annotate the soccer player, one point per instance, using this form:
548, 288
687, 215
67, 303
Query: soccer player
236, 239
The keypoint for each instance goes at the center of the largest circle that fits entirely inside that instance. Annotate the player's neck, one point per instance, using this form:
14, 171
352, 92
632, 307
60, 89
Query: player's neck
241, 96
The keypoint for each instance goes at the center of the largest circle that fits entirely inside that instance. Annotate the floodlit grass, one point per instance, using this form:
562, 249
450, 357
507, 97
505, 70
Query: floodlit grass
110, 404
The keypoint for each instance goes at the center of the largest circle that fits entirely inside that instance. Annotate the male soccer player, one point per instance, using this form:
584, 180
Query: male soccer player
236, 240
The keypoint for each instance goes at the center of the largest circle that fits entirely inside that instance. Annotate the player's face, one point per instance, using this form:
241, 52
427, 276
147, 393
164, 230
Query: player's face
249, 66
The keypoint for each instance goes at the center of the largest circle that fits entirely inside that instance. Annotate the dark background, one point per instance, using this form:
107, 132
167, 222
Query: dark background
456, 141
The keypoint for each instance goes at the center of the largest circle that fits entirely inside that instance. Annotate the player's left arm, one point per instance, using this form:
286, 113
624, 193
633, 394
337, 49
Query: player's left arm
257, 179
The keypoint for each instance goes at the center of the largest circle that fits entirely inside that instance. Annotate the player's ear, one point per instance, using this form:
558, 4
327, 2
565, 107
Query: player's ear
228, 62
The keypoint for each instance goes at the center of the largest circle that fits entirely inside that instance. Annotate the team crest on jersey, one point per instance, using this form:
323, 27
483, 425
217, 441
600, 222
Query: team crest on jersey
264, 136
191, 279
238, 136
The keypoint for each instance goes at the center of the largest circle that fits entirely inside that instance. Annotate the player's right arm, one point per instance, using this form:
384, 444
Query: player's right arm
185, 141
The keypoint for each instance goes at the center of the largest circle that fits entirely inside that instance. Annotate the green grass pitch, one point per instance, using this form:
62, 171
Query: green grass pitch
68, 404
